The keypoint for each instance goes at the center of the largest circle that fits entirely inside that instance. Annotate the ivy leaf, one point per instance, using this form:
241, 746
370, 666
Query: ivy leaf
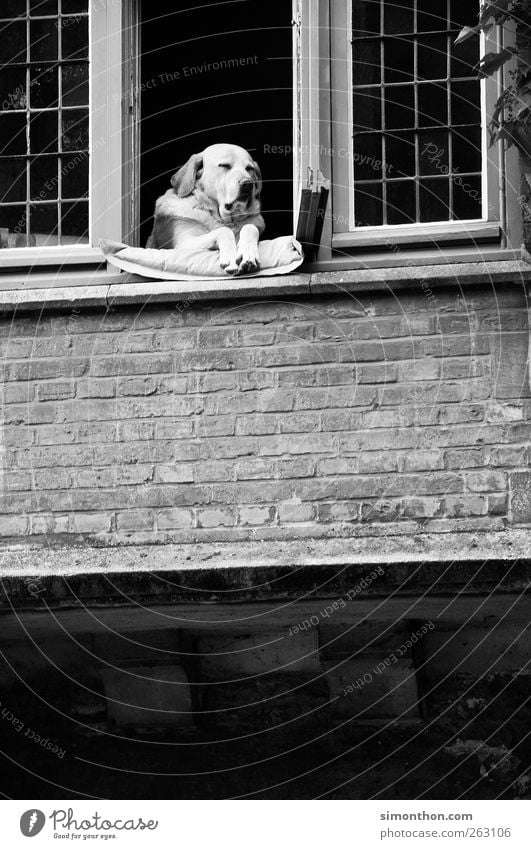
521, 135
494, 9
503, 133
466, 33
492, 62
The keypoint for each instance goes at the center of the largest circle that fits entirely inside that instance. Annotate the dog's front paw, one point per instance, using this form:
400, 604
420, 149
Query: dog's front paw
228, 263
248, 261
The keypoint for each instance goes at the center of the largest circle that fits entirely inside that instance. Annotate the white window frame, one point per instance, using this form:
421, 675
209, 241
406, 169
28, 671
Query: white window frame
106, 125
322, 93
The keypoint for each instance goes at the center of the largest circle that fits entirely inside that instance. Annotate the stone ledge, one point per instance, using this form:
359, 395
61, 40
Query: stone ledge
131, 291
510, 546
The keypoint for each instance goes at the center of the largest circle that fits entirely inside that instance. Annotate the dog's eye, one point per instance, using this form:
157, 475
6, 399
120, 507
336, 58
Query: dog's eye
224, 165
250, 169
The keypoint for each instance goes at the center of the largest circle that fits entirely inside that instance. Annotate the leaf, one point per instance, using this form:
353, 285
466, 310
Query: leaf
494, 9
503, 134
492, 62
466, 33
521, 135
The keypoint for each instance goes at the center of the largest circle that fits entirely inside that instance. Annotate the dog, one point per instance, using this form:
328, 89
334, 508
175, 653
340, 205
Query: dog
214, 204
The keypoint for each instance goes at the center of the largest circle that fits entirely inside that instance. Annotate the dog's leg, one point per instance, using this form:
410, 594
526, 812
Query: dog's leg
226, 243
222, 240
247, 258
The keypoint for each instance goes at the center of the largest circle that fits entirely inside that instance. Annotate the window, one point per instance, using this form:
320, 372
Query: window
405, 143
59, 140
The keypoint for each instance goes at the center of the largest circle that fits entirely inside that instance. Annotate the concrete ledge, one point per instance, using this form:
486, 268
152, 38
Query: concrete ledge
442, 550
131, 291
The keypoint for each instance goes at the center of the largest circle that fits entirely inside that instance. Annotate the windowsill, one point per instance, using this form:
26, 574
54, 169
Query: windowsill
100, 289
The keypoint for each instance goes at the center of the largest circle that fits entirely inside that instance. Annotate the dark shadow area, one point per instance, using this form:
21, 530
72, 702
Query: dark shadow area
217, 72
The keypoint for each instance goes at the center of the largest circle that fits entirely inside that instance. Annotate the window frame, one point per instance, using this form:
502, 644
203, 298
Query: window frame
318, 53
106, 124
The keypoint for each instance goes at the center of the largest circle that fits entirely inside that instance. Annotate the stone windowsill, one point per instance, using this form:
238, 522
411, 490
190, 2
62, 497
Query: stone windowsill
97, 289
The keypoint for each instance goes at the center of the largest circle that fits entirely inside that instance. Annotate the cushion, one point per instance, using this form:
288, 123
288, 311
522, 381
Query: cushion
277, 256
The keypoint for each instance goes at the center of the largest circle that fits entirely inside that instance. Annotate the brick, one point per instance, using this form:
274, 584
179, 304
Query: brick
299, 423
253, 380
211, 426
12, 526
381, 511
377, 373
44, 524
256, 515
421, 508
168, 428
175, 518
257, 425
486, 481
44, 369
459, 506
56, 391
340, 420
348, 511
138, 386
378, 461
511, 365
499, 412
273, 401
178, 473
91, 523
21, 393
509, 455
425, 369
135, 520
292, 512
216, 518
206, 383
416, 461
131, 365
254, 469
214, 471
232, 405
217, 337
113, 476
299, 467
338, 466
520, 489
96, 388
464, 458
498, 504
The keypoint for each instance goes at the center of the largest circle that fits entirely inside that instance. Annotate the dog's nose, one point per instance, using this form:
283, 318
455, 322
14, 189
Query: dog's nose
228, 206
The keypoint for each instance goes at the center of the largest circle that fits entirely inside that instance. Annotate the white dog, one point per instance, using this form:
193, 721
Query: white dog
215, 205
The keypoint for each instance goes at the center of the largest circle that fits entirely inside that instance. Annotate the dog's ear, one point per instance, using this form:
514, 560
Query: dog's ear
186, 177
257, 179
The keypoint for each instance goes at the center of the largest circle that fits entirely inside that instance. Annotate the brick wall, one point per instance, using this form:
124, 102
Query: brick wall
391, 412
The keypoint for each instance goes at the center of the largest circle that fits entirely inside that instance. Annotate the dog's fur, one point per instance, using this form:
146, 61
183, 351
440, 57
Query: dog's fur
215, 205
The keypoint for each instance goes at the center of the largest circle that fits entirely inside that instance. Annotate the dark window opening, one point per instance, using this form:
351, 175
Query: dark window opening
217, 72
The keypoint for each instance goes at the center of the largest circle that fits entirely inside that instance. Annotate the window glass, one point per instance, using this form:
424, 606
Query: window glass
416, 110
44, 123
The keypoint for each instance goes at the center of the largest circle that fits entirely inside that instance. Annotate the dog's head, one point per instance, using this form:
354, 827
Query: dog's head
227, 174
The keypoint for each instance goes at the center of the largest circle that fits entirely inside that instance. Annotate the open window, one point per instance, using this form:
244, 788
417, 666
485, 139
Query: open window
393, 112
216, 72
